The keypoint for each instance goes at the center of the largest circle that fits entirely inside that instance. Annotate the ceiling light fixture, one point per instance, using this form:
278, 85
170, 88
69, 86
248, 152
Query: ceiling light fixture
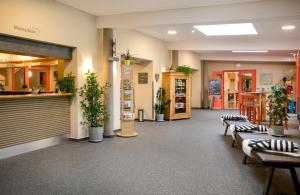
227, 29
288, 27
193, 31
172, 32
250, 51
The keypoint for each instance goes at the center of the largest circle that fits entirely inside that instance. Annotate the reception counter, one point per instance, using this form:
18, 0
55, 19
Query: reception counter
33, 117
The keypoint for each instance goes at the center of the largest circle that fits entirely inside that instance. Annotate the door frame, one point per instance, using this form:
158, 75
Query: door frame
222, 72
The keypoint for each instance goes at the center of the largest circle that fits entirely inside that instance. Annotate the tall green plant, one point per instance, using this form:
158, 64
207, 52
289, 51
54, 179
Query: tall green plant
278, 101
67, 84
92, 103
185, 69
161, 105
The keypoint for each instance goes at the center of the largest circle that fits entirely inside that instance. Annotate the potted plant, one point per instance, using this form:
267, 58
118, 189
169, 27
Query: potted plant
278, 109
67, 84
185, 69
92, 105
127, 57
161, 105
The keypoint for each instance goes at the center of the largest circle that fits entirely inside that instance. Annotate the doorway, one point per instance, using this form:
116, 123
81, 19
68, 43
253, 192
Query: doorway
233, 83
236, 82
143, 87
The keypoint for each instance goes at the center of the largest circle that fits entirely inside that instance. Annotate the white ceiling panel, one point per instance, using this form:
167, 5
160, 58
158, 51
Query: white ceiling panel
105, 7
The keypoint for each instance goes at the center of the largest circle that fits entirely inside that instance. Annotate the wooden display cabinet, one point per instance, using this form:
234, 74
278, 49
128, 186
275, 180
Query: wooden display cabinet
178, 90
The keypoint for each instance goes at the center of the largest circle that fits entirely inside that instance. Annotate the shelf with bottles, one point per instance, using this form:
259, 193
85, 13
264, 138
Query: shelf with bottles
180, 82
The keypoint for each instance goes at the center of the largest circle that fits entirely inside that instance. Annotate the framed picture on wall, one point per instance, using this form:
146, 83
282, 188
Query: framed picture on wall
265, 78
143, 77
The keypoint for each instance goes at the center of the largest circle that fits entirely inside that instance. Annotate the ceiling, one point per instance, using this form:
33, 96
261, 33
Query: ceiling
105, 7
156, 17
266, 30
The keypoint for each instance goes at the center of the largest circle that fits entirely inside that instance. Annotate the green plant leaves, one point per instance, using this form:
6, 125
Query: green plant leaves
161, 105
67, 84
92, 103
185, 69
279, 103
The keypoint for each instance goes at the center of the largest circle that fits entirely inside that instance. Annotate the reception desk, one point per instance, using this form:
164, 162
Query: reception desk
33, 117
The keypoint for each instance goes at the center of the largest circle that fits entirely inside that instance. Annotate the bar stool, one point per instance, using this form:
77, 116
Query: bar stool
249, 107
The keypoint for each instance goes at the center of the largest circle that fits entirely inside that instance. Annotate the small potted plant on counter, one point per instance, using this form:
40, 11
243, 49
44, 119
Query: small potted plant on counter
278, 109
161, 105
127, 57
92, 105
67, 84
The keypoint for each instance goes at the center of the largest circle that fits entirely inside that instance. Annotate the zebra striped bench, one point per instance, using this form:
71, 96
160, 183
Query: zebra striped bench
273, 160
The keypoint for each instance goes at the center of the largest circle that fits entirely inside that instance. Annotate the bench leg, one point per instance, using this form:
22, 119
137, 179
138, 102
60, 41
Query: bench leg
245, 159
232, 145
295, 179
225, 133
268, 180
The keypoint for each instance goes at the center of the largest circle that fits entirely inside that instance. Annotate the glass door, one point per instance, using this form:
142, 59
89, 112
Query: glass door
231, 90
180, 96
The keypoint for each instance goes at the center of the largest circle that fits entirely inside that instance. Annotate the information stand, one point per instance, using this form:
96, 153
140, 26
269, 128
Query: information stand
127, 102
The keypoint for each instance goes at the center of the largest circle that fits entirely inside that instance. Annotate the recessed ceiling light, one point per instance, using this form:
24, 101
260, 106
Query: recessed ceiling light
288, 27
193, 31
227, 29
172, 32
250, 51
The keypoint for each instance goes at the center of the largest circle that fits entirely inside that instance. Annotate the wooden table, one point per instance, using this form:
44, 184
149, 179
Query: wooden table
273, 161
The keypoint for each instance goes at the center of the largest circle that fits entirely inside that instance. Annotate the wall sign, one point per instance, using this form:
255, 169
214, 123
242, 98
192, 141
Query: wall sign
29, 30
265, 79
143, 78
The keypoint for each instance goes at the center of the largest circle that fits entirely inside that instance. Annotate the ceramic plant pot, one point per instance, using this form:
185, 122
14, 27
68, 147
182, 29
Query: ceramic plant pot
277, 130
160, 117
95, 134
126, 62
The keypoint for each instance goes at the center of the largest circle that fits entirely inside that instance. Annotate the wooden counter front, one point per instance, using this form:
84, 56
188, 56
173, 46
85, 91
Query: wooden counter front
27, 118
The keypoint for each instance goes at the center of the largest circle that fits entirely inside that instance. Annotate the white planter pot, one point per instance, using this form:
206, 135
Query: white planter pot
95, 134
160, 117
277, 130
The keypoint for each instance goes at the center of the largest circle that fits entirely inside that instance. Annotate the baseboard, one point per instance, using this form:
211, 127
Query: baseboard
31, 146
145, 120
78, 140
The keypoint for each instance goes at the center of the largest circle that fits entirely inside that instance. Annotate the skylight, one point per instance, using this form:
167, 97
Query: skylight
227, 29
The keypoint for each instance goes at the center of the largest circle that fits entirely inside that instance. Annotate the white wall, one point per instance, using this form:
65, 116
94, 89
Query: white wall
56, 23
145, 47
193, 60
189, 58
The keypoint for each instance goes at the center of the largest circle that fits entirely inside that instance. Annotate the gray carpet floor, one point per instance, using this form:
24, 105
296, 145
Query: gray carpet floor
179, 157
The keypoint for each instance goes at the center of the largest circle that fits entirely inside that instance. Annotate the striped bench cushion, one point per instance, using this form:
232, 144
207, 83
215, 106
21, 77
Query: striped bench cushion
233, 117
250, 128
274, 145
